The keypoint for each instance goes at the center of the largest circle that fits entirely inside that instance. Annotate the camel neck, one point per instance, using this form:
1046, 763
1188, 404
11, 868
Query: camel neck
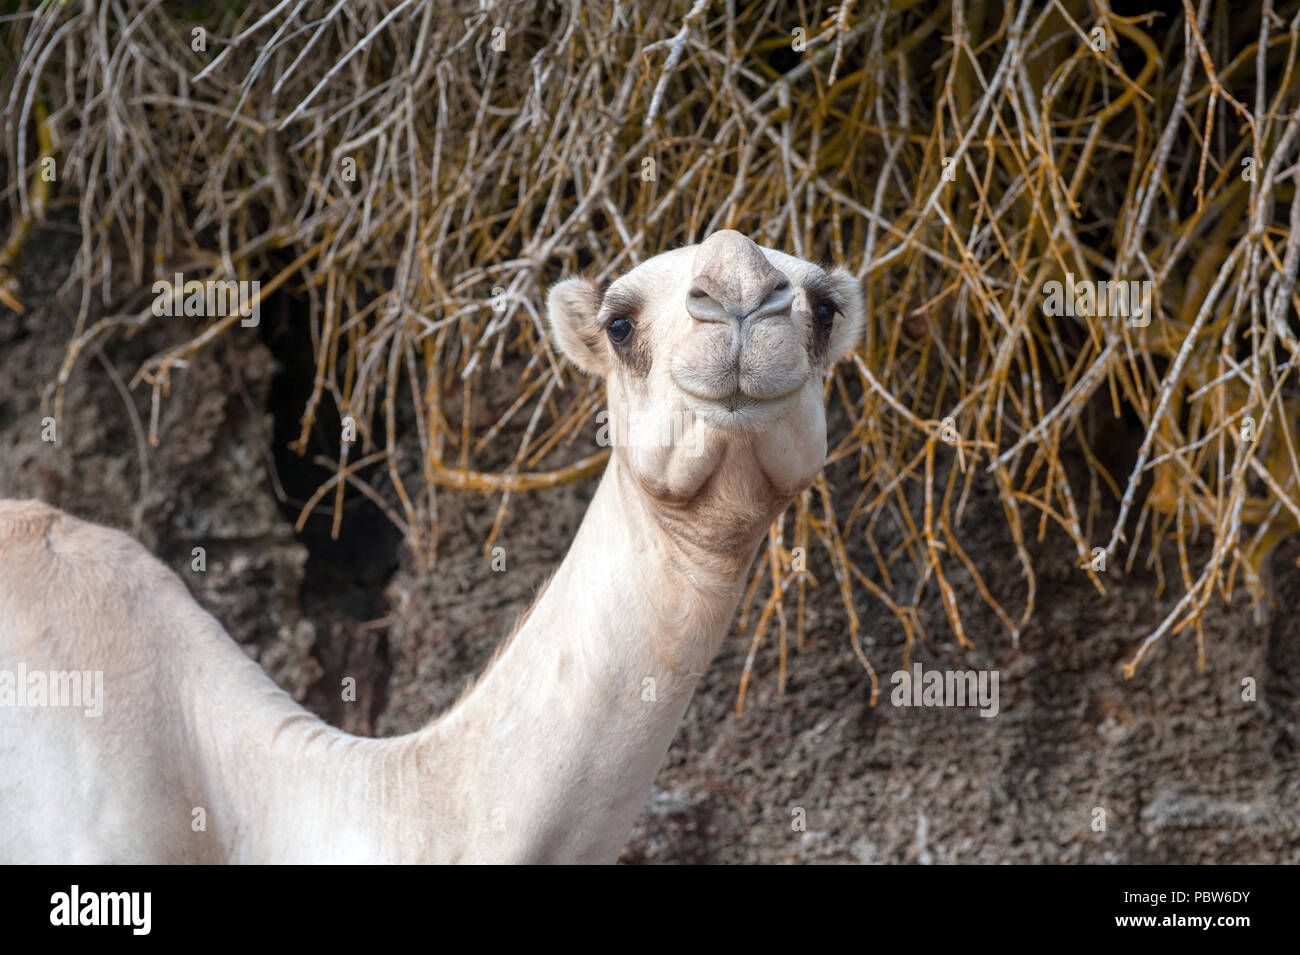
550, 756
560, 741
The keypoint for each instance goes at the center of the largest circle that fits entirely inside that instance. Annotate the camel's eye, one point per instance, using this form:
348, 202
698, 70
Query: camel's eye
619, 330
824, 312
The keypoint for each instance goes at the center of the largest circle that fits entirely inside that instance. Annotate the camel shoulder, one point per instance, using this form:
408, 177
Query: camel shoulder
31, 530
25, 521
60, 575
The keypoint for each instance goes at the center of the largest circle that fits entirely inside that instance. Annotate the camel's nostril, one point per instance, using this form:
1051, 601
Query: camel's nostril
775, 298
703, 306
708, 300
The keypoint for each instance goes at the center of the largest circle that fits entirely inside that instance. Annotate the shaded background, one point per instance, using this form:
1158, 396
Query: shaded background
494, 171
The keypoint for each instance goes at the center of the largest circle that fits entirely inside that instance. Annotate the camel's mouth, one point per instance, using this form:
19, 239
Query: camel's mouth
739, 411
733, 389
741, 378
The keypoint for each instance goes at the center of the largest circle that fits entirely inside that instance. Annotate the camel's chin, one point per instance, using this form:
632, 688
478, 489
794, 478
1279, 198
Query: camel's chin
741, 413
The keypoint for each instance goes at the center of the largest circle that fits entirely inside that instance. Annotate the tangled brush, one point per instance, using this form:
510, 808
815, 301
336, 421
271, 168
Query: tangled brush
1058, 213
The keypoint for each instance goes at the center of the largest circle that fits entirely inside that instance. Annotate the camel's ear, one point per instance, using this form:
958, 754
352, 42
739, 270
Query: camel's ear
852, 318
571, 308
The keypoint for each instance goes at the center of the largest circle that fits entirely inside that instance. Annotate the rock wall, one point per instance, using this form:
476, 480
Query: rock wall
1183, 769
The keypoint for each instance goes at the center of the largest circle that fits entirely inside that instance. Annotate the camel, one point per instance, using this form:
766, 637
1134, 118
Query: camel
197, 756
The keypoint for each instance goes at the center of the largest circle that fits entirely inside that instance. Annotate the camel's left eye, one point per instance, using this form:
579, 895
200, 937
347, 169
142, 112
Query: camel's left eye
824, 313
619, 330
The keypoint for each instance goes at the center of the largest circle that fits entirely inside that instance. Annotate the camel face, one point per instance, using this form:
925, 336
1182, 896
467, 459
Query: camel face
714, 353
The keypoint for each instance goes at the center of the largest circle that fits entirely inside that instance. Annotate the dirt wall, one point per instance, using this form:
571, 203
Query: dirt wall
1183, 768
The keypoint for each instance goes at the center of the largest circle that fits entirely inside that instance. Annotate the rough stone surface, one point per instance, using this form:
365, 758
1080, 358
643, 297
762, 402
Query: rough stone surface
1178, 765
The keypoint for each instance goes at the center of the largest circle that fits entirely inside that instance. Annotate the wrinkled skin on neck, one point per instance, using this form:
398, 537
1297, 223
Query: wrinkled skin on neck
716, 495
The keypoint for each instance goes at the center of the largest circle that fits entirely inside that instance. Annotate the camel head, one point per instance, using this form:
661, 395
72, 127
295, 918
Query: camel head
714, 358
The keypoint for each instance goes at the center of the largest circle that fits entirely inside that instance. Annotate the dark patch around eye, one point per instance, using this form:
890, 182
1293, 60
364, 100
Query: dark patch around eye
620, 302
634, 353
822, 309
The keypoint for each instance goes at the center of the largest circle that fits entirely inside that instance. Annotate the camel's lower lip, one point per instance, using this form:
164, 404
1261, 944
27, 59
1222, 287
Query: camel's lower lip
737, 410
738, 399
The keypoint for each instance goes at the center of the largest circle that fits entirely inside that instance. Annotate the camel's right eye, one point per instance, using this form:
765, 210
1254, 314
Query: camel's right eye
619, 330
824, 312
